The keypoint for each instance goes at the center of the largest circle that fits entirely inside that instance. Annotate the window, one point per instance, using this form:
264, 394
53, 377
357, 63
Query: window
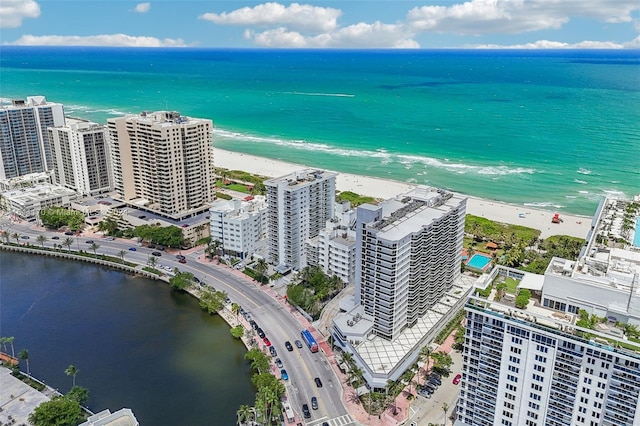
510, 396
589, 370
511, 387
532, 415
534, 405
516, 340
516, 350
539, 368
534, 396
512, 378
538, 378
536, 387
541, 358
542, 349
603, 375
582, 410
513, 369
587, 380
514, 359
508, 405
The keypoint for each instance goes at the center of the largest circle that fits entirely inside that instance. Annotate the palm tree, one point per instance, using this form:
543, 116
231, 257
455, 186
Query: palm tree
7, 236
445, 408
72, 371
152, 261
425, 355
94, 247
41, 239
10, 340
17, 237
68, 242
244, 414
235, 308
24, 354
261, 268
199, 230
3, 342
121, 253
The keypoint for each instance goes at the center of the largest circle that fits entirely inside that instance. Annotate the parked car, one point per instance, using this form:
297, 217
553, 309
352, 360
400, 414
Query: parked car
284, 375
156, 253
435, 380
272, 351
457, 379
278, 362
288, 345
266, 341
314, 402
68, 233
151, 246
298, 344
182, 261
179, 256
318, 382
260, 332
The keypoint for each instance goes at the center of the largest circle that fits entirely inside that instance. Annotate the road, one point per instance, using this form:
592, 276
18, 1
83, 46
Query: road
274, 317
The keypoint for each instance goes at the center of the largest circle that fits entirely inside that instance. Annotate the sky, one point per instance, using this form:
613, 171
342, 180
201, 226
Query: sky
345, 24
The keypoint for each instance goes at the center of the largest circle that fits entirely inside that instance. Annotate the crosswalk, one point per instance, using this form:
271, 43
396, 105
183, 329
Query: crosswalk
345, 420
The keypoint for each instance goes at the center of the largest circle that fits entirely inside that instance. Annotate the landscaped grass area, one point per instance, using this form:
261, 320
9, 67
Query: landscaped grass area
511, 283
233, 186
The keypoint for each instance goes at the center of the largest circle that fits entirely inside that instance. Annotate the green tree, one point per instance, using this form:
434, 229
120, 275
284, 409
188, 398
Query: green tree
108, 225
522, 299
79, 394
60, 411
261, 268
425, 356
235, 308
151, 261
7, 236
24, 355
445, 408
122, 253
68, 242
17, 237
237, 331
3, 342
212, 301
41, 239
94, 247
258, 359
245, 414
72, 371
181, 280
10, 340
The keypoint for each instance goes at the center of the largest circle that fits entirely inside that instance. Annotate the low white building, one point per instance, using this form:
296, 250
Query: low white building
27, 202
334, 249
122, 417
239, 225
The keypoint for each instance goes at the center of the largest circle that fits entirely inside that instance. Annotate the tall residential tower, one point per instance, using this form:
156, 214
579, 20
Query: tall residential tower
299, 206
163, 162
24, 141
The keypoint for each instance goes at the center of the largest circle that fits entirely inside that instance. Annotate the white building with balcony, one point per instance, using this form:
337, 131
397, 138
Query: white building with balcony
239, 225
542, 365
408, 280
299, 205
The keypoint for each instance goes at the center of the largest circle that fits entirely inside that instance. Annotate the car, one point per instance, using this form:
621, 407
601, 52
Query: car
25, 237
314, 402
160, 248
298, 344
89, 241
318, 382
196, 279
278, 362
287, 345
456, 379
55, 237
151, 246
110, 238
325, 424
252, 323
182, 261
132, 249
266, 341
305, 411
284, 375
68, 233
156, 253
435, 380
273, 351
179, 256
260, 332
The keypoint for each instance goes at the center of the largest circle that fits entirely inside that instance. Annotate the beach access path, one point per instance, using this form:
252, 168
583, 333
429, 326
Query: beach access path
572, 225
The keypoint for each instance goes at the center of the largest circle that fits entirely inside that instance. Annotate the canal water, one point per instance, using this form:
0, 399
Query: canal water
135, 343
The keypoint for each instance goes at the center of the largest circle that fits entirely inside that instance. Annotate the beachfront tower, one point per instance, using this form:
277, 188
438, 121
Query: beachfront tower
163, 162
24, 140
408, 255
299, 203
571, 355
80, 157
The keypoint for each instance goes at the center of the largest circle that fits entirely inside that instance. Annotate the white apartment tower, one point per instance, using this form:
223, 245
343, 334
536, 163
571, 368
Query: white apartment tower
240, 226
24, 141
163, 162
299, 204
408, 255
80, 157
543, 365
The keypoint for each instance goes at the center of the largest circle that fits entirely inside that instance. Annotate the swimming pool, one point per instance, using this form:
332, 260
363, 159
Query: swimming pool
479, 261
636, 235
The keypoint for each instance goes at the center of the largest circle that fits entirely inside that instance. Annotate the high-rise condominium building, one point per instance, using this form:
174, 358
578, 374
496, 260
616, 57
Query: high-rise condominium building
239, 226
163, 162
24, 141
570, 356
408, 255
299, 204
80, 157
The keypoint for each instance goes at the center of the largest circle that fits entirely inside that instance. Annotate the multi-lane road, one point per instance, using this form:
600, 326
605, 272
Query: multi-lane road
275, 319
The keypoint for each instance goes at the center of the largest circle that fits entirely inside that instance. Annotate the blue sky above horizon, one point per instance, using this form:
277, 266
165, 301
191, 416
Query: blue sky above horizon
428, 24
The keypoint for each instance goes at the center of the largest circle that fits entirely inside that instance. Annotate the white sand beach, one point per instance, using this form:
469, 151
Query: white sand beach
573, 225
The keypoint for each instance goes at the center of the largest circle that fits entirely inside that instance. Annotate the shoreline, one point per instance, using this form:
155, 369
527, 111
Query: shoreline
572, 225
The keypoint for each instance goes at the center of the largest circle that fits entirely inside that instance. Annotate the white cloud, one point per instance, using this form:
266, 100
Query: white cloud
547, 44
301, 17
12, 12
476, 17
361, 35
142, 7
114, 40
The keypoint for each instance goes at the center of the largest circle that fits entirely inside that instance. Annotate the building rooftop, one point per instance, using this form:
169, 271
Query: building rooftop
301, 178
17, 399
122, 417
382, 355
40, 191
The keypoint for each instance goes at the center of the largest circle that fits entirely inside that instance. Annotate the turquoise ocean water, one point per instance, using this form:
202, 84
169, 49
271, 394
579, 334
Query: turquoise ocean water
552, 129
